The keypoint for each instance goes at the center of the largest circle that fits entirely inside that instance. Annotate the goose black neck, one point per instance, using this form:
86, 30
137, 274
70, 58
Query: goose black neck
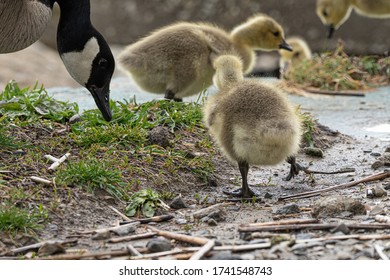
75, 27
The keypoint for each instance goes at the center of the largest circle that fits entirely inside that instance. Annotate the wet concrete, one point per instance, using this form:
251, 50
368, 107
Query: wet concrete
360, 117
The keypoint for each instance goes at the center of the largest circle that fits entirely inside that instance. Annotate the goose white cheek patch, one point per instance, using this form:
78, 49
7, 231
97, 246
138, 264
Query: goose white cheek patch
79, 64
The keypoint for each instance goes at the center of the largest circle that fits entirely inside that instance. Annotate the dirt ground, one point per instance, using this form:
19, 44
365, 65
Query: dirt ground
78, 214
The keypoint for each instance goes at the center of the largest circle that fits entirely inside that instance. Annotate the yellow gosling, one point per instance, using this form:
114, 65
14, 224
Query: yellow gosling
176, 60
252, 123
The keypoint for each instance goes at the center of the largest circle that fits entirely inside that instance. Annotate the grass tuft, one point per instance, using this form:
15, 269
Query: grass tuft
338, 71
27, 105
91, 175
14, 219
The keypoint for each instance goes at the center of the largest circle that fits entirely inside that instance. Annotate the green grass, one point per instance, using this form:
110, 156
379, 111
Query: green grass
27, 105
91, 175
338, 71
8, 142
14, 219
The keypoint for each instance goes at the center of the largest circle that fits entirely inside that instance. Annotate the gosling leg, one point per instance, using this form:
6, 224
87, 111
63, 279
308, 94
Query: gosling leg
170, 95
245, 191
294, 168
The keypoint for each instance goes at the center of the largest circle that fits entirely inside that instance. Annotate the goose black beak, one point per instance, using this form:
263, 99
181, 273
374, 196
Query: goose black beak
331, 30
102, 100
285, 46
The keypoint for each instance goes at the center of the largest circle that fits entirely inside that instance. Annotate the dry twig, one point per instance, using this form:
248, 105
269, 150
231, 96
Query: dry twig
375, 177
181, 237
204, 250
132, 237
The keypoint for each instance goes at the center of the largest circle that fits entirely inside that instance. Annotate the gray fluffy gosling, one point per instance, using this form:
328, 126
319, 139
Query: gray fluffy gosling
176, 60
333, 13
252, 123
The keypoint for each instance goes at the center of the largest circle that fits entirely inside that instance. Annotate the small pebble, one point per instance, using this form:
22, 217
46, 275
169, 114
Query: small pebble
288, 209
75, 119
181, 221
159, 245
377, 191
102, 235
178, 203
341, 228
212, 222
314, 152
49, 249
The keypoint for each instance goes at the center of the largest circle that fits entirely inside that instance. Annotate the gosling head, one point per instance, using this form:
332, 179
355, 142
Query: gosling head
228, 71
261, 32
90, 62
333, 13
301, 51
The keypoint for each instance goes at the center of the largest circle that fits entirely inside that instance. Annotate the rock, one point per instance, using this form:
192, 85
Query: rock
341, 255
386, 186
375, 154
288, 209
331, 206
206, 211
181, 221
268, 195
160, 135
212, 222
314, 152
159, 245
75, 119
377, 191
387, 150
341, 228
178, 203
225, 255
125, 230
102, 235
49, 249
377, 164
377, 210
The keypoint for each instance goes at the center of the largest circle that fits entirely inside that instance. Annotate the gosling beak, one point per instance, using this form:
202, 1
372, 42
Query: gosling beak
102, 100
331, 30
285, 46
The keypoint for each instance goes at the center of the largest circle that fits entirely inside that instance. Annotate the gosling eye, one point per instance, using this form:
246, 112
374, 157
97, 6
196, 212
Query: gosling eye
325, 13
103, 63
276, 33
297, 54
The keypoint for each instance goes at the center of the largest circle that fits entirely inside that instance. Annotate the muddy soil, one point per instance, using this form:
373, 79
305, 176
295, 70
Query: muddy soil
77, 214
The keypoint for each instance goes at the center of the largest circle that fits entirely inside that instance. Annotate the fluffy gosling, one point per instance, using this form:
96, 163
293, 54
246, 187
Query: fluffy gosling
177, 60
333, 13
252, 123
289, 60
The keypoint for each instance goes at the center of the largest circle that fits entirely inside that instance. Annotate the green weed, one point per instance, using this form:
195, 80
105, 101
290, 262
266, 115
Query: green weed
14, 219
144, 201
27, 105
91, 175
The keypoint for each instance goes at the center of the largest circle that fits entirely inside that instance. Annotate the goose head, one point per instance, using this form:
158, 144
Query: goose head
261, 32
228, 71
333, 13
85, 53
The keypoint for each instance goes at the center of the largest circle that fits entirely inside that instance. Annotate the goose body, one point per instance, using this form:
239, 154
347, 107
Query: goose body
333, 13
301, 51
253, 124
83, 50
177, 60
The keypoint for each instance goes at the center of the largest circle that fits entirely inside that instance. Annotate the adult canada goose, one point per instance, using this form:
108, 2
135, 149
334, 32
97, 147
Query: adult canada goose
85, 53
333, 13
288, 60
177, 60
251, 123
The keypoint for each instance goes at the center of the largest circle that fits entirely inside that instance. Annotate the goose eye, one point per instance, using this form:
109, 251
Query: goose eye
276, 33
103, 63
297, 54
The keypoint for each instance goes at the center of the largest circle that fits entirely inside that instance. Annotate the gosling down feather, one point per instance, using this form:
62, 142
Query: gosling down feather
83, 50
252, 123
288, 60
333, 13
177, 60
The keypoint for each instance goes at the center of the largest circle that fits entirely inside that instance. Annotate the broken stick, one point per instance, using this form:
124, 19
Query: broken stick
204, 250
181, 237
371, 178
